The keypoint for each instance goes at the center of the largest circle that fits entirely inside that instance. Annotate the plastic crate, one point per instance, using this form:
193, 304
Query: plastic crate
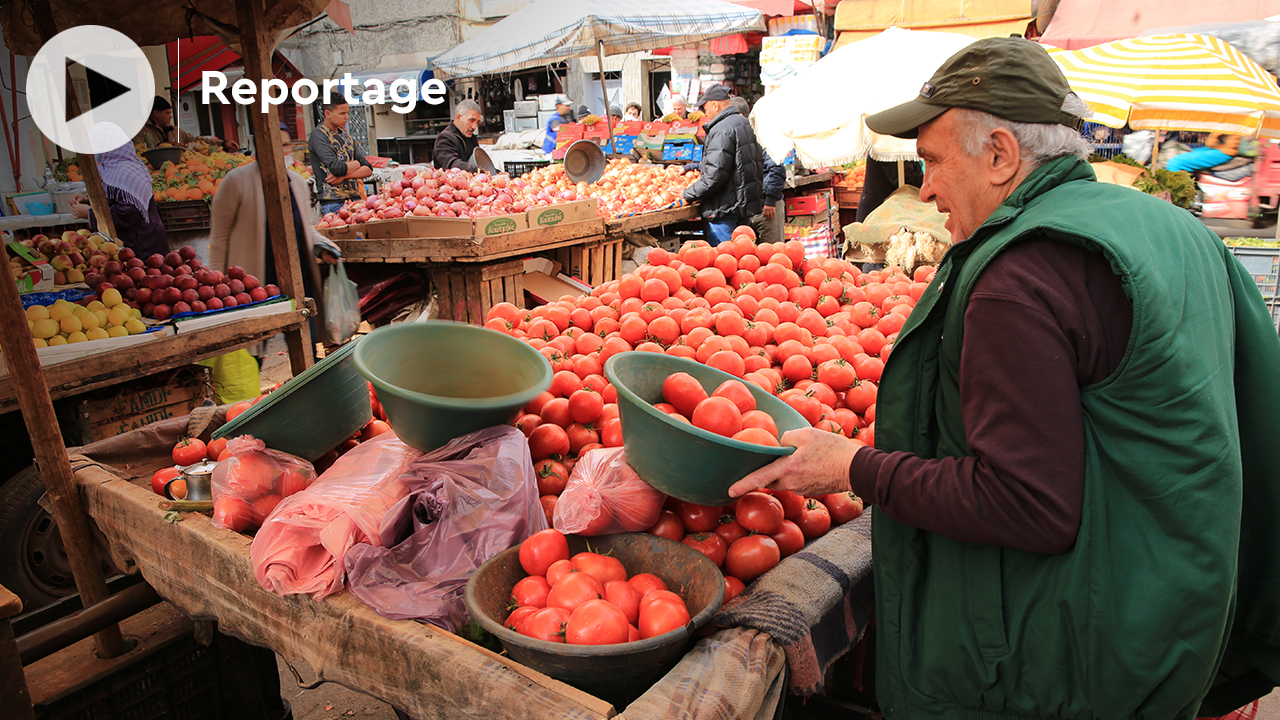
516, 168
1264, 265
184, 215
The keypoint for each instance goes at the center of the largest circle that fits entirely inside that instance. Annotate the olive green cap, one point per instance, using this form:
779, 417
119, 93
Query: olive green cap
1011, 78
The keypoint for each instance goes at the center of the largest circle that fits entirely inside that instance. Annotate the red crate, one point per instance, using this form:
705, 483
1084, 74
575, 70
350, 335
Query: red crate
808, 204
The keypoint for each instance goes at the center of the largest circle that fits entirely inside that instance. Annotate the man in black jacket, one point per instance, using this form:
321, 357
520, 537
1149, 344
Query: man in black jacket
457, 142
731, 188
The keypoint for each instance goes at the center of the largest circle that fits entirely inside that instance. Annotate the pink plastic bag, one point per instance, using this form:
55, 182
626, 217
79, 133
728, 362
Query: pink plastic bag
248, 485
301, 546
604, 495
470, 500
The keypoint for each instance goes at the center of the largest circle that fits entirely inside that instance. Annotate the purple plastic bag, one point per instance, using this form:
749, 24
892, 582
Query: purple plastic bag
467, 502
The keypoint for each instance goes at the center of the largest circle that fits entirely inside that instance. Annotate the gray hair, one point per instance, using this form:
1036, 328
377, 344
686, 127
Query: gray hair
679, 99
741, 103
1038, 142
466, 106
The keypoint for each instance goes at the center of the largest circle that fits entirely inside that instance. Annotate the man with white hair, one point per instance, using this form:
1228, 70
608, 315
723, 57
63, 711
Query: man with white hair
1073, 465
679, 106
457, 142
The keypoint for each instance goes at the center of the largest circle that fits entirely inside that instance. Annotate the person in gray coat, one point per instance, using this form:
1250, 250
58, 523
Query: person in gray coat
731, 188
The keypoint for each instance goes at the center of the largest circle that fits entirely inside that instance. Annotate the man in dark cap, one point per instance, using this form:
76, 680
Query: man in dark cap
159, 130
1074, 464
731, 188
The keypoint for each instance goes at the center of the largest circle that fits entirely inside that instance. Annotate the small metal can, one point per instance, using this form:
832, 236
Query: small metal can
199, 479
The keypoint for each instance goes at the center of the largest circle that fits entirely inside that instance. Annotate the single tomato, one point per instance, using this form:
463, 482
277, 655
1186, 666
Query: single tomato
549, 507
626, 597
189, 451
843, 506
709, 544
546, 623
759, 512
574, 589
732, 587
552, 476
596, 622
645, 583
668, 526
698, 518
601, 567
814, 520
792, 503
683, 392
214, 448
548, 440
718, 415
164, 475
789, 538
730, 530
541, 549
751, 557
662, 616
558, 570
518, 616
531, 591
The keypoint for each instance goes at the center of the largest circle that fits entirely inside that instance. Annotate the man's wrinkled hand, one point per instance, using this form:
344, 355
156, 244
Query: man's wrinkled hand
820, 465
769, 211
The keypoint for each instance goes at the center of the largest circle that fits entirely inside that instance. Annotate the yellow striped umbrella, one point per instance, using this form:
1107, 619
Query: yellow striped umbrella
1174, 82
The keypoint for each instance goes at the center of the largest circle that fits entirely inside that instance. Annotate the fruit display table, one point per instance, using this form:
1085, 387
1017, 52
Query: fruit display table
26, 222
429, 673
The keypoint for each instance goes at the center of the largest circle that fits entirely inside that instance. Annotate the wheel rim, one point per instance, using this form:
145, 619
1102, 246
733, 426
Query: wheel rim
45, 559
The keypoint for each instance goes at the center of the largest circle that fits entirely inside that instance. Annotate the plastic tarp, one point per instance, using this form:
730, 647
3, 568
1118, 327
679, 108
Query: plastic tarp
859, 19
551, 30
820, 111
1084, 23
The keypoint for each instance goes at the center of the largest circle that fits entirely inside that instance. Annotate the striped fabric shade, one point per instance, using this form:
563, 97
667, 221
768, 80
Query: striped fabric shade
1174, 82
551, 30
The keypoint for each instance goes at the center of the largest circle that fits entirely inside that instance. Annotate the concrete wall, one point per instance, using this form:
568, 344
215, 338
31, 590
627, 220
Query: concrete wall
389, 33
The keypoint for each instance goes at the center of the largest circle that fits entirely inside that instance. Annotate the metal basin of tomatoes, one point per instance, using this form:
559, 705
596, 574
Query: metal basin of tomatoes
440, 380
681, 460
616, 673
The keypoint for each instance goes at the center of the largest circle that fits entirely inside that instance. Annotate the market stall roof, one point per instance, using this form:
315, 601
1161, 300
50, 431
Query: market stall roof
775, 8
1084, 23
861, 19
190, 57
820, 111
148, 23
1174, 82
552, 30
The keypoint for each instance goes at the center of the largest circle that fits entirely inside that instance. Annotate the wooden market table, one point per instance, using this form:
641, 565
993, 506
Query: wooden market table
117, 366
737, 672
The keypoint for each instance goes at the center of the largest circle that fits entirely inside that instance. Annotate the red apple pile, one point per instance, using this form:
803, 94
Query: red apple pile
162, 286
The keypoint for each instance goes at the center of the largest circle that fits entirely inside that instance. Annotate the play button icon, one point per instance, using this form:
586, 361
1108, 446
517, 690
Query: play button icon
108, 89
96, 57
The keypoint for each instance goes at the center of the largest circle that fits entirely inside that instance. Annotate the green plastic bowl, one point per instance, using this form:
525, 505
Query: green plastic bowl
439, 380
312, 413
681, 460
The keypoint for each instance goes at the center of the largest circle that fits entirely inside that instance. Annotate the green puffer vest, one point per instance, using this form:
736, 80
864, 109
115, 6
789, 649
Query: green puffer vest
1173, 585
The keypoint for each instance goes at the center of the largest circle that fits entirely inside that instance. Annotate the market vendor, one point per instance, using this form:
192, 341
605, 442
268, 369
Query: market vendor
127, 184
1073, 451
338, 163
679, 107
730, 188
458, 141
564, 114
633, 112
159, 129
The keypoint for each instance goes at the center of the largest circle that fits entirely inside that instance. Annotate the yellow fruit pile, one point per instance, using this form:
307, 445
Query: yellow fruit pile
63, 323
196, 177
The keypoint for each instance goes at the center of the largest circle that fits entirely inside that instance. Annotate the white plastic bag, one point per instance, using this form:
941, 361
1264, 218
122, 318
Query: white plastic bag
341, 305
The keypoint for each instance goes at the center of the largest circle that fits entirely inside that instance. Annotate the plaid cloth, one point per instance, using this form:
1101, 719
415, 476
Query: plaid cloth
816, 604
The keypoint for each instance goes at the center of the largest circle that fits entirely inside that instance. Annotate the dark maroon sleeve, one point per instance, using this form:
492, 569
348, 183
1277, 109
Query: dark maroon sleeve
1043, 320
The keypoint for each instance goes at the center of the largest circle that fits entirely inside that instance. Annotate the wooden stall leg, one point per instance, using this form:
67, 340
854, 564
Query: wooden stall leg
13, 683
51, 458
257, 44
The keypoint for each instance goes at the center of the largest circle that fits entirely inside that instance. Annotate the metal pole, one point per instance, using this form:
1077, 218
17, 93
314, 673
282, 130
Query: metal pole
604, 90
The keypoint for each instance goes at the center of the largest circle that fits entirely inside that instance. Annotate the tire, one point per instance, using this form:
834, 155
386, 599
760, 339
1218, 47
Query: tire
33, 563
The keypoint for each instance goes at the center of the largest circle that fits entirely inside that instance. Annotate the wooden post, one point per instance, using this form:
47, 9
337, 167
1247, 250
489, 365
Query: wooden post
51, 458
43, 16
257, 45
37, 408
13, 683
604, 90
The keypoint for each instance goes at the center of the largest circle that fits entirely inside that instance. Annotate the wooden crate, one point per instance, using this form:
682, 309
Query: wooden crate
848, 197
184, 215
121, 409
465, 292
594, 263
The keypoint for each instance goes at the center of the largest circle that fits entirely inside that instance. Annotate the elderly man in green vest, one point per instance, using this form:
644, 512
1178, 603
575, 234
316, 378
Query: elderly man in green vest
1075, 473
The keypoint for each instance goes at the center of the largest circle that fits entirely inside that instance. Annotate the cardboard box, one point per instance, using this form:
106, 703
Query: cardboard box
790, 48
629, 127
686, 151
808, 204
500, 224
545, 288
437, 227
622, 144
656, 127
570, 132
28, 283
571, 212
683, 130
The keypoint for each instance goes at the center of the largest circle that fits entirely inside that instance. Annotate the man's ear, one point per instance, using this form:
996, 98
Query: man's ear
1006, 156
